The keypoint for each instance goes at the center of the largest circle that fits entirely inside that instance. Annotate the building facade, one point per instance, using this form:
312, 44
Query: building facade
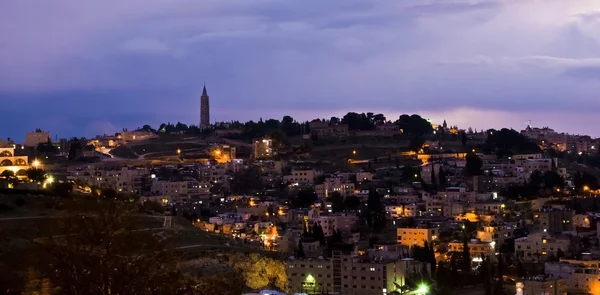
350, 275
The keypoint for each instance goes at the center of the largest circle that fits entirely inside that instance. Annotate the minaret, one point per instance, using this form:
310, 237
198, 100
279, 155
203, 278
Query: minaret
204, 110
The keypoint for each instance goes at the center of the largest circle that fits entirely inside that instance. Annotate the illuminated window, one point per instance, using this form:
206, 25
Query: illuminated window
372, 269
544, 252
544, 241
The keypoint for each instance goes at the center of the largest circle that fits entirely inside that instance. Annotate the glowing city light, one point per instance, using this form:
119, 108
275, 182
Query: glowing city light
423, 289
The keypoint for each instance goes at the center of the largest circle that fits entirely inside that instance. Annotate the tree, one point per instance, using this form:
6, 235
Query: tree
521, 272
99, 252
304, 198
442, 177
318, 233
506, 142
351, 202
75, 148
35, 285
463, 138
414, 125
259, 272
552, 180
376, 211
432, 260
474, 164
466, 255
147, 128
36, 175
7, 174
337, 202
357, 121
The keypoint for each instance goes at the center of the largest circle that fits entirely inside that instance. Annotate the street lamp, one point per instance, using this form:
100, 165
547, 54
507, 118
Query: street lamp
179, 151
423, 289
354, 152
36, 164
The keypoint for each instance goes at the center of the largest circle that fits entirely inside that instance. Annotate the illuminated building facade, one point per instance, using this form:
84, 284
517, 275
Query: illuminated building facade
416, 236
346, 274
262, 148
8, 161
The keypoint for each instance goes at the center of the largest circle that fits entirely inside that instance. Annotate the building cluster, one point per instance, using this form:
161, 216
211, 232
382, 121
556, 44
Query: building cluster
564, 142
315, 214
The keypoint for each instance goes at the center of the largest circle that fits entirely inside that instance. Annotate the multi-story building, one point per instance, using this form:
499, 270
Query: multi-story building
554, 221
124, 179
262, 148
493, 207
539, 247
350, 275
542, 285
301, 176
336, 222
324, 128
477, 248
32, 139
416, 236
172, 189
128, 136
581, 276
223, 153
336, 184
8, 161
496, 233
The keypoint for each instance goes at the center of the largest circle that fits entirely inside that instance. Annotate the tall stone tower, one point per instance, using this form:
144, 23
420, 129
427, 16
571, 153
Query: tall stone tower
204, 110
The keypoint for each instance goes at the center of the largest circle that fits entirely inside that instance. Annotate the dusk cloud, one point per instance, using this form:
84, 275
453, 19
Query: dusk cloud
269, 58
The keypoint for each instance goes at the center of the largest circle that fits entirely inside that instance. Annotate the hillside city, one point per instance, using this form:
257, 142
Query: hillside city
361, 204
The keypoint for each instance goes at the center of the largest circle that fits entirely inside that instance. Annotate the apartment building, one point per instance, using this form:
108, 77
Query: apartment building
136, 135
301, 176
336, 222
581, 276
538, 247
496, 233
324, 128
477, 248
173, 189
554, 220
349, 275
416, 236
124, 179
262, 148
542, 285
492, 207
335, 184
33, 139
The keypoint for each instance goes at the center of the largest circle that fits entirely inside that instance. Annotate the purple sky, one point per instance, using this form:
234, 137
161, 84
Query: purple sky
86, 67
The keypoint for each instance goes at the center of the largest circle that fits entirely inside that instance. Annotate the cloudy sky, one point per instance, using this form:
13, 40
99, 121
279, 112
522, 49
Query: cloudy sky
87, 67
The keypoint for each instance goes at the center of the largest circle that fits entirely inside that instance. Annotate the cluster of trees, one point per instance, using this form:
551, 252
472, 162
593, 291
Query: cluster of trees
539, 183
169, 128
99, 252
303, 197
362, 121
507, 142
341, 204
375, 214
258, 271
96, 249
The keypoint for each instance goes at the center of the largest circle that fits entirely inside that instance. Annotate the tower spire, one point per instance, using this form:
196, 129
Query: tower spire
204, 109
